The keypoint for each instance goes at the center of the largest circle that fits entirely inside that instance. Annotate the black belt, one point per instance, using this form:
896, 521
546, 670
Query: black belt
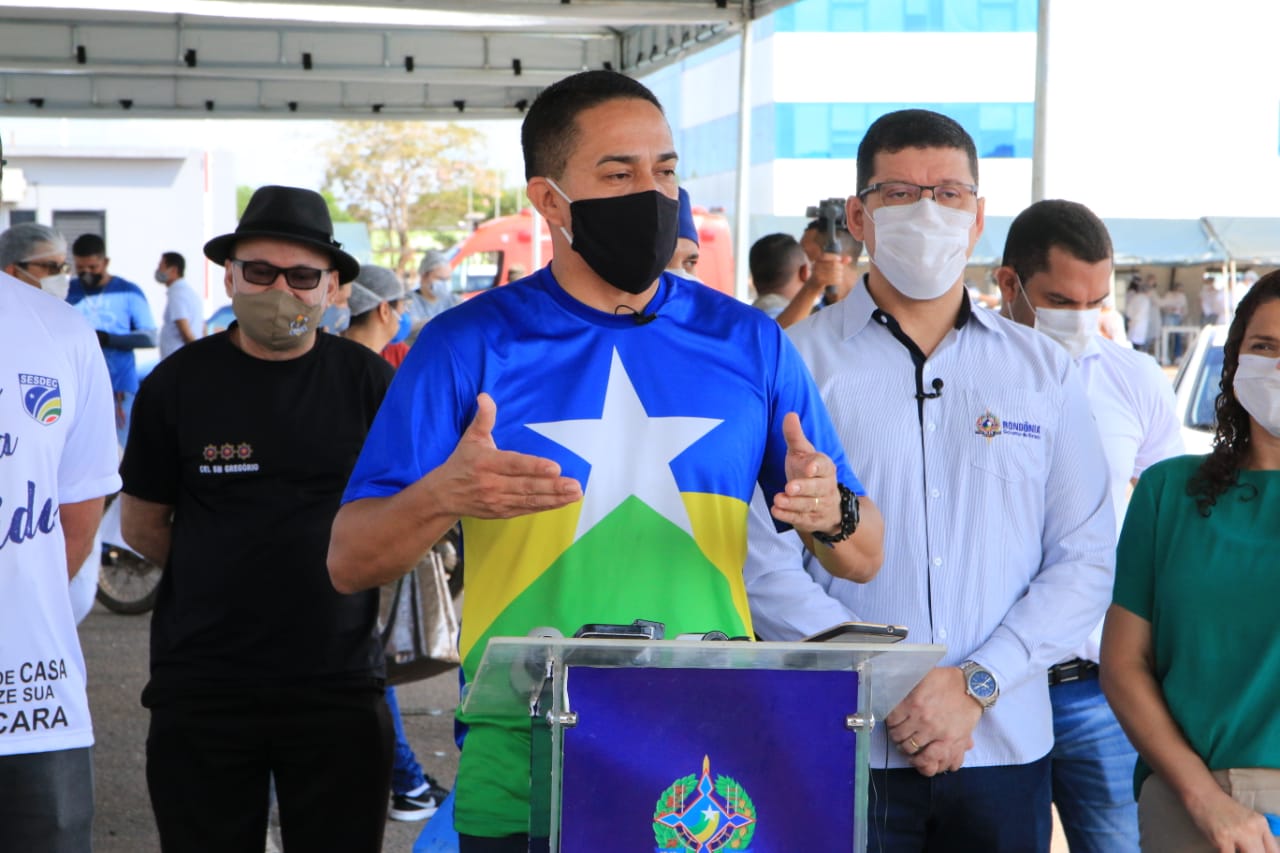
1072, 670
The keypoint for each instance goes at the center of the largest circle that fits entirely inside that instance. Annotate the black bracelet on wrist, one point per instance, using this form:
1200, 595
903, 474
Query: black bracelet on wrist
848, 517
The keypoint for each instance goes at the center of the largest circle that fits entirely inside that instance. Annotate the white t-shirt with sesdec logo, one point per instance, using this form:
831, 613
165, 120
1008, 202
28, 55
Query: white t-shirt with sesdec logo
57, 446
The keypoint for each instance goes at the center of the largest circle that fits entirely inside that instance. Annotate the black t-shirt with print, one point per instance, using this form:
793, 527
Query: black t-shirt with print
254, 455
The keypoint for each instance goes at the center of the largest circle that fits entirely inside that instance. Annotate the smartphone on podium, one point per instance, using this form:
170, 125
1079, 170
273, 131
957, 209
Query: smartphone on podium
859, 632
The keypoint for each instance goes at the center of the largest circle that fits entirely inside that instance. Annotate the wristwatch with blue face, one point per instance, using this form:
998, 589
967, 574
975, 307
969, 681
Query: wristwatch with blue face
980, 684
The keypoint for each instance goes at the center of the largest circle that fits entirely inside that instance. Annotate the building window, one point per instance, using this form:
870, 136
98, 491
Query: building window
806, 131
907, 16
72, 224
21, 217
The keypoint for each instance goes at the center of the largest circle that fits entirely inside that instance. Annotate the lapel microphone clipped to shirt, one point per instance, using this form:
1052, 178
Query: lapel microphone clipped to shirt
922, 394
640, 317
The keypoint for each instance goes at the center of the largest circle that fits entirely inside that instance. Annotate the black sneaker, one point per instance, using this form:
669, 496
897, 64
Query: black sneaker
418, 807
435, 789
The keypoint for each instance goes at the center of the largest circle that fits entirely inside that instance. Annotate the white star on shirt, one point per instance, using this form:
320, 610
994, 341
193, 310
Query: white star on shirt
629, 453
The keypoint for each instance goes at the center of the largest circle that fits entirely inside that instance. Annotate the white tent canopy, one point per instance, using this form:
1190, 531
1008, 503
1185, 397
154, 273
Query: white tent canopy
411, 59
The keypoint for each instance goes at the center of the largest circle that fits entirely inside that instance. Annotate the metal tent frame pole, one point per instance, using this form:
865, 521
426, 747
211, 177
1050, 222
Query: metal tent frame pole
742, 196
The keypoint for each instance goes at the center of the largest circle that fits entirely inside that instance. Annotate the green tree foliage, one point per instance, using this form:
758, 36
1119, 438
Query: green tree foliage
448, 210
388, 174
243, 193
336, 211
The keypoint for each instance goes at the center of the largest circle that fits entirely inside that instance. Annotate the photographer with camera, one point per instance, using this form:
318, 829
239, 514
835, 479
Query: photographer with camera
833, 253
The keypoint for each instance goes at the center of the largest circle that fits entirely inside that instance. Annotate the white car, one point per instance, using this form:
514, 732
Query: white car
1196, 388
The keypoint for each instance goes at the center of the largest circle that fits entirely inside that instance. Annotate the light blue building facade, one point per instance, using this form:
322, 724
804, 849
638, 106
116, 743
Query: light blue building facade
823, 70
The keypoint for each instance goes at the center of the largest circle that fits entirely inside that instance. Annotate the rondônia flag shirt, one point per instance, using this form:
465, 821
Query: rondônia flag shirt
668, 424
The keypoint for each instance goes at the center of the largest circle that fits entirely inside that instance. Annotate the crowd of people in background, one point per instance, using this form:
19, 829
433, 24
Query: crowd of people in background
1001, 472
792, 278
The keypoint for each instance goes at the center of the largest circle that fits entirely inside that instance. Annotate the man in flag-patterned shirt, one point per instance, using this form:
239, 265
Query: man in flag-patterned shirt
599, 428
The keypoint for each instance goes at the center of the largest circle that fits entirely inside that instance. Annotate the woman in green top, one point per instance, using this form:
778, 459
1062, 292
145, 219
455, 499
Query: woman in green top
1191, 649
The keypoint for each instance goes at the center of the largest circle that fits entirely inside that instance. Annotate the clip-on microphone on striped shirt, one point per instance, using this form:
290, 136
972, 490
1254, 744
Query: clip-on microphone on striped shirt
931, 395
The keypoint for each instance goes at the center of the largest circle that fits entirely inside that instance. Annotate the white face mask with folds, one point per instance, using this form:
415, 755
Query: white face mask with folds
1072, 328
55, 285
1257, 387
921, 248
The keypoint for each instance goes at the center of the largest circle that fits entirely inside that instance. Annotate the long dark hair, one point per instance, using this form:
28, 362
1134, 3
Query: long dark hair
1221, 468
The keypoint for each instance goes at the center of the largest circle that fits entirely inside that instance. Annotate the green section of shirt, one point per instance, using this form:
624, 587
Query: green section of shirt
1210, 588
658, 573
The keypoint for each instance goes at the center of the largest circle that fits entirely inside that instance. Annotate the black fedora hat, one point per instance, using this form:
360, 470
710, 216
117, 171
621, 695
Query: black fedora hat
287, 213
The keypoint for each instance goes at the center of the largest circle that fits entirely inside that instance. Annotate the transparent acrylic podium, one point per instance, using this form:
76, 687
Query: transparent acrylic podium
696, 746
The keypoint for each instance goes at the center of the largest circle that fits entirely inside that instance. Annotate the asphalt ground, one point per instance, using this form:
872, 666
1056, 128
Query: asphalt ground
115, 650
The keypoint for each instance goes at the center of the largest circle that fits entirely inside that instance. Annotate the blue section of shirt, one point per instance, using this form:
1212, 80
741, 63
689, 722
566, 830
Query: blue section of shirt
117, 309
543, 357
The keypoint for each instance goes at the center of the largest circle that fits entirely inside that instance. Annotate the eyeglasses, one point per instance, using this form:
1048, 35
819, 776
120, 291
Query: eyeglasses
265, 274
894, 193
50, 267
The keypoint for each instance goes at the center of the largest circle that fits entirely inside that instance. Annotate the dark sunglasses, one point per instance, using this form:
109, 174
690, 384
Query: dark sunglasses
265, 274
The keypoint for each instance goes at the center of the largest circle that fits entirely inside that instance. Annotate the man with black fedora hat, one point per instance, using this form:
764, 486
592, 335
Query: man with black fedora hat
240, 446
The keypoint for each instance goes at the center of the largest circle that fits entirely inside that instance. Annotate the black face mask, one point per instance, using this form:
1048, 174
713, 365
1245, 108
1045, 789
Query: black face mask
91, 280
629, 239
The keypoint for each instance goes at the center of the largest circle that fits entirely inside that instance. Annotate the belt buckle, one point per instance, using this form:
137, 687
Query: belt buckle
1065, 673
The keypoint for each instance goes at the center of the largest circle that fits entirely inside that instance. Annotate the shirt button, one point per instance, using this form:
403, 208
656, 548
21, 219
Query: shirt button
935, 493
942, 633
937, 561
932, 426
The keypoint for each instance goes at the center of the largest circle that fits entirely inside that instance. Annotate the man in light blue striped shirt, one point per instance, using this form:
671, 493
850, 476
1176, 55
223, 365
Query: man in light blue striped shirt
977, 442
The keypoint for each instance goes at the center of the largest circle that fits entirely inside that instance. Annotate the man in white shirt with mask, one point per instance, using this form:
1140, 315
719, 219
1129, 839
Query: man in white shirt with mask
183, 311
1056, 276
979, 447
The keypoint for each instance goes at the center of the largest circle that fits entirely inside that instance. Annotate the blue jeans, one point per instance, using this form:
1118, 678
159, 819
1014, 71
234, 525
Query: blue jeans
973, 810
1092, 771
406, 772
1176, 342
124, 403
46, 801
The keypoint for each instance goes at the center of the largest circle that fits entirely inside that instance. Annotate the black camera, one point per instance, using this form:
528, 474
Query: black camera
830, 215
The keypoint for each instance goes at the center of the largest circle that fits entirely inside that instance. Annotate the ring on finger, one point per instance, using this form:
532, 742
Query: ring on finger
817, 502
915, 747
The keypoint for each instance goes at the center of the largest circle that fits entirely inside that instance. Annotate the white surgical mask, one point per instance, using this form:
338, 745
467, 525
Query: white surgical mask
921, 248
1069, 327
1257, 387
57, 285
